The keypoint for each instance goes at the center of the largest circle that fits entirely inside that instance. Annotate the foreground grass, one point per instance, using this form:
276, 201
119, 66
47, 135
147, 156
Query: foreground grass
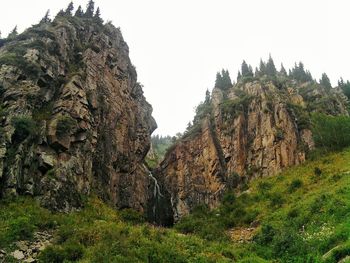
100, 234
300, 215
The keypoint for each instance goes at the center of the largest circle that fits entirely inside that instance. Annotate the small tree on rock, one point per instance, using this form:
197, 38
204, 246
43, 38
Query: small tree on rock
324, 81
97, 16
13, 33
89, 13
79, 12
69, 9
46, 18
270, 67
247, 71
283, 70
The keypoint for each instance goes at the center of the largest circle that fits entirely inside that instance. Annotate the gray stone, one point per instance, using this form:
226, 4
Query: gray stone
30, 260
17, 254
22, 245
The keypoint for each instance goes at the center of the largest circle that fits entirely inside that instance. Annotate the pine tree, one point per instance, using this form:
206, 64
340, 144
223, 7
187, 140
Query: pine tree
69, 9
207, 97
247, 71
345, 87
79, 12
262, 68
61, 13
13, 33
89, 13
324, 81
239, 75
223, 80
244, 69
226, 80
218, 80
283, 70
2, 41
270, 67
257, 72
46, 18
299, 73
97, 16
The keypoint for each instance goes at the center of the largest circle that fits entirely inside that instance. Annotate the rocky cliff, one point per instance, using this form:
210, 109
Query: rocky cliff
74, 120
256, 128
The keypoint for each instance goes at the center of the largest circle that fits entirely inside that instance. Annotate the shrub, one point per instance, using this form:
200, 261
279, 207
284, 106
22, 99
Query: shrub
131, 216
294, 185
21, 228
65, 126
276, 200
24, 127
266, 235
279, 134
331, 132
17, 60
70, 251
317, 171
233, 181
52, 254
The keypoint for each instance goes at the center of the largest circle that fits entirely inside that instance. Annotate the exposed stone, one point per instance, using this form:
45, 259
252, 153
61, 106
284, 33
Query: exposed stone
104, 137
30, 260
252, 130
17, 254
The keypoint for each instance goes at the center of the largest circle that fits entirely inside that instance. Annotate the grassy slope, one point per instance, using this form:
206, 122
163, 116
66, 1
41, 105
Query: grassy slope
301, 214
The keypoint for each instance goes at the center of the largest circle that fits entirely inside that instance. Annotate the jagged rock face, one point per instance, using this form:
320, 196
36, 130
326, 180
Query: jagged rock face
254, 129
92, 123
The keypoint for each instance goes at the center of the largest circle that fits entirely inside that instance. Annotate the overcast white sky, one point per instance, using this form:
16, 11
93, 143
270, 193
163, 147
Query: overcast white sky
178, 46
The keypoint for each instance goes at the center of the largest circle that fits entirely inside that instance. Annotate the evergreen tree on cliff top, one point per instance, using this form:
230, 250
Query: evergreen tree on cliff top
79, 12
13, 33
97, 16
223, 80
283, 70
270, 67
69, 9
90, 8
46, 18
325, 82
247, 71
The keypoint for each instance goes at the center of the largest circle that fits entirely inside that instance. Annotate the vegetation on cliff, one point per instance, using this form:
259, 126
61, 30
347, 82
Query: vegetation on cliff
301, 215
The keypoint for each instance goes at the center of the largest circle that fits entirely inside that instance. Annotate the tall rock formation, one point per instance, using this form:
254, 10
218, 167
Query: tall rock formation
256, 128
74, 120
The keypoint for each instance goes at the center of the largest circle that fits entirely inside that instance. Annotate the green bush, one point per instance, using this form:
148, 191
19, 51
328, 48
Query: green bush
294, 185
331, 132
21, 228
266, 235
276, 200
65, 126
52, 254
70, 251
17, 60
24, 126
317, 171
132, 216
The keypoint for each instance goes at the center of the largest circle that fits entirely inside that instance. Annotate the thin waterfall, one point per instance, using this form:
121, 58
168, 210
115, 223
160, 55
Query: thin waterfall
159, 206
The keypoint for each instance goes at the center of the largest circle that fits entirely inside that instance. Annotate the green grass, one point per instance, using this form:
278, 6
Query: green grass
300, 215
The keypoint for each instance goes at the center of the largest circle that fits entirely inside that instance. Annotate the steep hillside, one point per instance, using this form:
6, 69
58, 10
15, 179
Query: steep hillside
74, 120
256, 128
300, 215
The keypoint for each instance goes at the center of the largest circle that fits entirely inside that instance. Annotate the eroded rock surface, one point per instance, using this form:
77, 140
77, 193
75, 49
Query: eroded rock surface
74, 120
256, 128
